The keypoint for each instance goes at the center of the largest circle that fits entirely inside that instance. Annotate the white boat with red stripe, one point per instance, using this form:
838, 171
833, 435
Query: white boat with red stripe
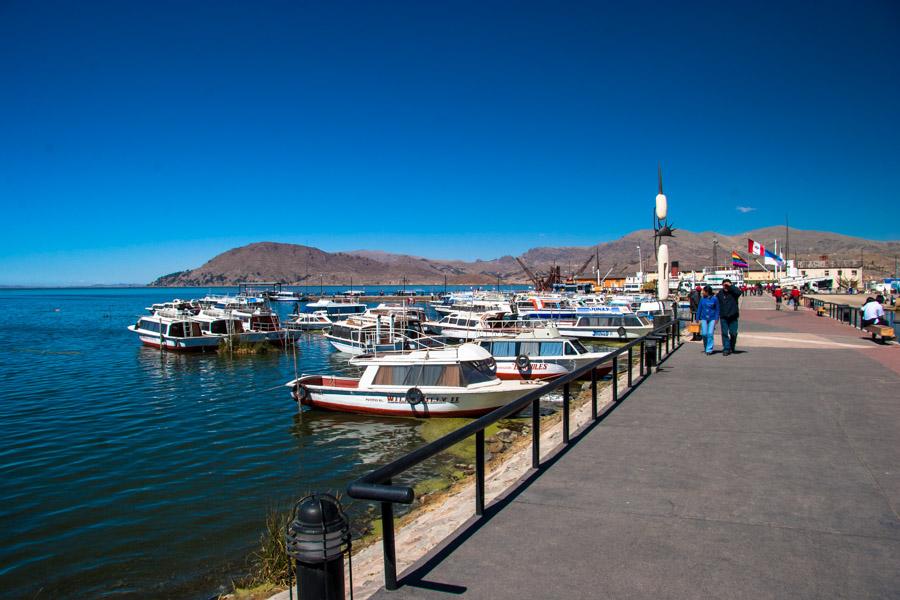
451, 382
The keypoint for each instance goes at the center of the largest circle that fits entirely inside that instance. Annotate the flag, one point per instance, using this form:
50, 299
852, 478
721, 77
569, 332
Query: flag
773, 259
737, 262
755, 248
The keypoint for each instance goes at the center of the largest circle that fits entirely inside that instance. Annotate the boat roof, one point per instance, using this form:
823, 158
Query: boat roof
464, 353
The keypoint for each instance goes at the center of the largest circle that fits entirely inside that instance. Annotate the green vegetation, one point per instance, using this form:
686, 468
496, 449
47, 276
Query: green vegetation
270, 564
244, 348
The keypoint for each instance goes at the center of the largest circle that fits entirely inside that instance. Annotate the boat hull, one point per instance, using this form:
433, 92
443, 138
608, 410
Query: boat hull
462, 403
196, 344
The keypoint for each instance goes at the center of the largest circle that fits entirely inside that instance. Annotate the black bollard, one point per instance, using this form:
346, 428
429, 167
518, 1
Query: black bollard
650, 354
317, 538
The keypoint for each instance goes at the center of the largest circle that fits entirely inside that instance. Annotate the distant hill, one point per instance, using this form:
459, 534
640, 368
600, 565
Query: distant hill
296, 264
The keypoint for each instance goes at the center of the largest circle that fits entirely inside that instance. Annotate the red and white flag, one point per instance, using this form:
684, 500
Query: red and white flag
755, 248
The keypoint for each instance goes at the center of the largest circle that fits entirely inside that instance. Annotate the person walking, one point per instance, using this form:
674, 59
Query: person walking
795, 297
729, 313
694, 300
779, 294
708, 315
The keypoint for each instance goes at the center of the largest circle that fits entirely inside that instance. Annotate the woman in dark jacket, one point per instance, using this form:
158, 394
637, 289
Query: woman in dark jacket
708, 315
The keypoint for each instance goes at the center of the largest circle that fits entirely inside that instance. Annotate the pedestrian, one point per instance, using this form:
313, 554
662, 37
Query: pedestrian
779, 294
795, 297
729, 313
708, 315
694, 300
873, 311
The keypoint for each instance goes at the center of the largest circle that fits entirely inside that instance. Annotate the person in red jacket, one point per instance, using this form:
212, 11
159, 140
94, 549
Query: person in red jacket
778, 296
795, 297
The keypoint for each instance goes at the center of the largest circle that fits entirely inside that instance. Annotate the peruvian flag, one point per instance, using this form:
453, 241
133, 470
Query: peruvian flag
755, 248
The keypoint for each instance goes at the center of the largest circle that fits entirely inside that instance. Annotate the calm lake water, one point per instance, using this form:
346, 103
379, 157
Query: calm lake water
126, 472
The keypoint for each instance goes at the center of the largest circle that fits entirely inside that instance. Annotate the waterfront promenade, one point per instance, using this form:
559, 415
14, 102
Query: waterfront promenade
771, 473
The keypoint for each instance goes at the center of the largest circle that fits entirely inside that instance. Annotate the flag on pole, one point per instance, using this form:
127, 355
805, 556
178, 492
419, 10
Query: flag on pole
773, 259
737, 262
755, 248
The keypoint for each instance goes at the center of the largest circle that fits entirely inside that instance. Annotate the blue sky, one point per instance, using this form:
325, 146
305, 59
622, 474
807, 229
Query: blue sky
141, 138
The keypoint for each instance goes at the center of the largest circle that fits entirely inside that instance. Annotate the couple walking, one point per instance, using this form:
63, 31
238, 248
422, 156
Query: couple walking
719, 307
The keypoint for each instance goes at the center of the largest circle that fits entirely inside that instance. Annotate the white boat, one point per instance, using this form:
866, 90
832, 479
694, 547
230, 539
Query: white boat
454, 382
337, 306
540, 354
173, 330
222, 324
385, 328
469, 326
314, 321
283, 296
626, 326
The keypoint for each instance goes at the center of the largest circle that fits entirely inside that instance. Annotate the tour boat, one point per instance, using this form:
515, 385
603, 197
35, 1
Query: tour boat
469, 326
625, 326
283, 296
540, 354
223, 324
173, 330
453, 382
187, 306
313, 321
384, 328
337, 306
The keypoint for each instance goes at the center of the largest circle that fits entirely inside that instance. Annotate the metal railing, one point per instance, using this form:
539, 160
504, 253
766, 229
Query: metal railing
377, 485
846, 313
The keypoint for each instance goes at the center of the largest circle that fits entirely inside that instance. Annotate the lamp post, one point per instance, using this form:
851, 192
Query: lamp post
715, 253
640, 263
662, 229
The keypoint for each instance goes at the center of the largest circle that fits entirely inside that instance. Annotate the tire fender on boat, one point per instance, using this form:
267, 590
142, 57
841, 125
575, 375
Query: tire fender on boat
492, 365
621, 331
415, 396
523, 363
301, 393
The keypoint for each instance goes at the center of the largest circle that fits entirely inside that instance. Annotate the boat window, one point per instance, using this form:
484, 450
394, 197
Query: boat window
615, 321
632, 321
551, 348
476, 371
530, 348
472, 323
487, 346
419, 375
176, 329
504, 349
149, 326
577, 346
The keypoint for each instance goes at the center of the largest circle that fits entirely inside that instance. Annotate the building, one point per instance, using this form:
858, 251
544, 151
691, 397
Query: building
844, 273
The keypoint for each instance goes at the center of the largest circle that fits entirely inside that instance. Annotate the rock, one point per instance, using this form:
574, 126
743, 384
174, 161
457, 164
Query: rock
504, 435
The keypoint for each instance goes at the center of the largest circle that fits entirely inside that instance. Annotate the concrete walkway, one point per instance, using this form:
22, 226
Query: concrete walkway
771, 473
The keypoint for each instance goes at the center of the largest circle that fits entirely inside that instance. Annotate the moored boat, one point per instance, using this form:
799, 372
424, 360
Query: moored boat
541, 354
314, 321
453, 382
173, 331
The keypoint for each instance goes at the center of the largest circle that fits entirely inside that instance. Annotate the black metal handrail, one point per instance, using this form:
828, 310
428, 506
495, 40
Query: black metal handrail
377, 486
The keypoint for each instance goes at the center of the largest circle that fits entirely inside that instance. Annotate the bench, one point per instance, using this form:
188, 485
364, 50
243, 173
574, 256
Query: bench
821, 311
883, 331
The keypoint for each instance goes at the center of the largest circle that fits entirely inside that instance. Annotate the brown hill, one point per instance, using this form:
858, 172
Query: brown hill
295, 264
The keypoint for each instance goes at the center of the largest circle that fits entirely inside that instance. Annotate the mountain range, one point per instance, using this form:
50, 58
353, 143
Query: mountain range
304, 265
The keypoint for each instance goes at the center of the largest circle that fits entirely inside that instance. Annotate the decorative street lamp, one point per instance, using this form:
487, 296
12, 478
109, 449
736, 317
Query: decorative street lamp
661, 229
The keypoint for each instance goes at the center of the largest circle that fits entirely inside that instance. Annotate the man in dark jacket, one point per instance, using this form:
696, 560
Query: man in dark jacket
729, 314
694, 300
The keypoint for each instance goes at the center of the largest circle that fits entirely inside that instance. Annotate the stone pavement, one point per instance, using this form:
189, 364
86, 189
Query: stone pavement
771, 473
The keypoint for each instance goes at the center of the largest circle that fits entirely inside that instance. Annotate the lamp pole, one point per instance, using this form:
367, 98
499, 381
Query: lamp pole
640, 263
715, 253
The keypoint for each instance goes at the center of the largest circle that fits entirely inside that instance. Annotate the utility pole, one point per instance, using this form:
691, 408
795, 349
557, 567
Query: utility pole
715, 253
640, 263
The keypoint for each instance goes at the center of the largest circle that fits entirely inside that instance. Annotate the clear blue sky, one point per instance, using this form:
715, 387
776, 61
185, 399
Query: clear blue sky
140, 138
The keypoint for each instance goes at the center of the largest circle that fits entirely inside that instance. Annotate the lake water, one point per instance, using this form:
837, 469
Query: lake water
125, 471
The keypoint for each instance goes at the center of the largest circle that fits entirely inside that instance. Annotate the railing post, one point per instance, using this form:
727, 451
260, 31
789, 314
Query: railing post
594, 394
630, 365
535, 434
479, 472
642, 358
387, 543
566, 414
615, 381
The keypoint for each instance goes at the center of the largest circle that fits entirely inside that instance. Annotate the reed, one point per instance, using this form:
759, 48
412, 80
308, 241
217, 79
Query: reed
269, 563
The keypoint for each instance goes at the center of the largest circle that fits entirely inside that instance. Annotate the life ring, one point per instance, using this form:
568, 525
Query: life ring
621, 331
415, 396
492, 365
523, 363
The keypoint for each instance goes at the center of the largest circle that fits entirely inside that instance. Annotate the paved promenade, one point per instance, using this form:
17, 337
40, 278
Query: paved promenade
771, 473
